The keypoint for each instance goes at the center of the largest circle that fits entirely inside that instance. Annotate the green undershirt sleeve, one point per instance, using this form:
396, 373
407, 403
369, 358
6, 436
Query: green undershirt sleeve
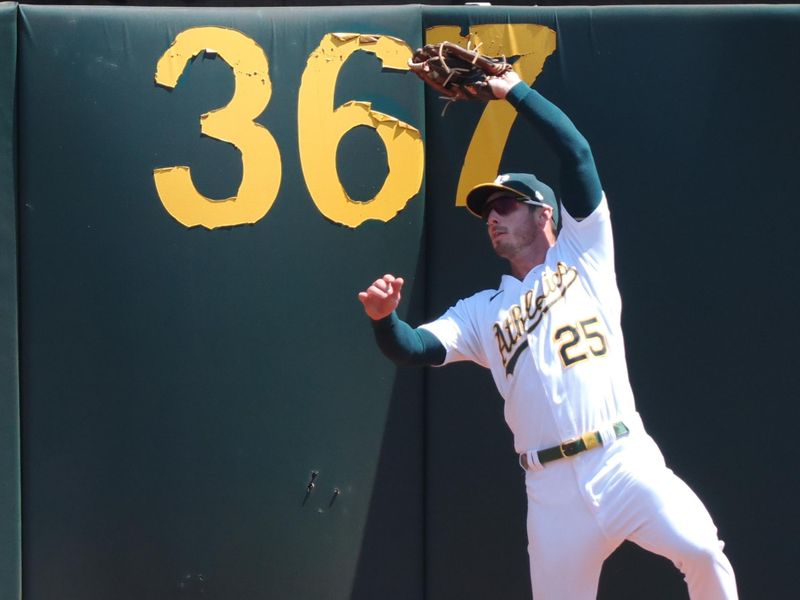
407, 346
581, 190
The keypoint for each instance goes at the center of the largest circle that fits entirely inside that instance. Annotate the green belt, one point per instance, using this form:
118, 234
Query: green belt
587, 441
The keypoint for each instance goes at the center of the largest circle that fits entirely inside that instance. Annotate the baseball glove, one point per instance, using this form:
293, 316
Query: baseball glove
457, 73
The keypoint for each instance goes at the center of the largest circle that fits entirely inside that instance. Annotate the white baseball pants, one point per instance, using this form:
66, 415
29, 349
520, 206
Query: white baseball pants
581, 509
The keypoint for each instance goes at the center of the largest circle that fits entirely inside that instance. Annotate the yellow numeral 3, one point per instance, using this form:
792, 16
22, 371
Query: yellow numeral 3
233, 123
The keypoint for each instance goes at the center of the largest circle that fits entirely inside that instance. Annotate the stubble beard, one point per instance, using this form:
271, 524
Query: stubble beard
503, 248
509, 246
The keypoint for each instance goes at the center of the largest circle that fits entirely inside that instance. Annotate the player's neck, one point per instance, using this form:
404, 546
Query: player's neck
522, 265
533, 256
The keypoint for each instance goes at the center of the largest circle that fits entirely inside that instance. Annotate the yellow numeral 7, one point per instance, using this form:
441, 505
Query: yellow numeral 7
532, 44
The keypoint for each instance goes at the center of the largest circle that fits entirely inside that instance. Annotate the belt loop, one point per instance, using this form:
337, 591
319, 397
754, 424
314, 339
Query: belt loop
534, 464
608, 434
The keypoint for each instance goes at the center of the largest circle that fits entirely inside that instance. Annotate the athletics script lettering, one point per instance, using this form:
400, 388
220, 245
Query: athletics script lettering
512, 332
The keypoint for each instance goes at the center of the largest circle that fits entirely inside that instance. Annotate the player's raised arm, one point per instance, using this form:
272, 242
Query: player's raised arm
581, 190
400, 342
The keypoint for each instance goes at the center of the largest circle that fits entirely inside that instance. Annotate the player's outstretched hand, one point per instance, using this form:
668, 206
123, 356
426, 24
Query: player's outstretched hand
382, 297
502, 84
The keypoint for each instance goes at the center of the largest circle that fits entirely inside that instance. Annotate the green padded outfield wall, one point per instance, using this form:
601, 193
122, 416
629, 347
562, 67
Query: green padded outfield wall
9, 364
200, 195
693, 117
182, 383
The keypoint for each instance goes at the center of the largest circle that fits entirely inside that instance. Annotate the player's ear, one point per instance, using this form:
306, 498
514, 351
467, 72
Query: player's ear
545, 215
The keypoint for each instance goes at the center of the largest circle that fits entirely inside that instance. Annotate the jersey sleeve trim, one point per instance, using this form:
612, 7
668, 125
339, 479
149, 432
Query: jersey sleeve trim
601, 212
458, 330
590, 240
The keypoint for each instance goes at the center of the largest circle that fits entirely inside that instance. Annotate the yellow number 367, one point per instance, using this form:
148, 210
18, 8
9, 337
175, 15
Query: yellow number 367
321, 125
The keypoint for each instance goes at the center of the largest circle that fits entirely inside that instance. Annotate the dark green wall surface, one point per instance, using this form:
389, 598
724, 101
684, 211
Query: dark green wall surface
180, 384
10, 581
692, 114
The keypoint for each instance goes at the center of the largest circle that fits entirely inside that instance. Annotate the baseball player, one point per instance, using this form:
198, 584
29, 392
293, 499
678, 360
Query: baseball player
550, 335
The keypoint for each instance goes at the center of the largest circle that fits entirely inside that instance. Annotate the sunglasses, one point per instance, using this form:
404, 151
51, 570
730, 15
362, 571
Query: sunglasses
504, 205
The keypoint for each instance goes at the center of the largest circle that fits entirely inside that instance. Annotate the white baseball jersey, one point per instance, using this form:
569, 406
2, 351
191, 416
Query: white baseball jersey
552, 341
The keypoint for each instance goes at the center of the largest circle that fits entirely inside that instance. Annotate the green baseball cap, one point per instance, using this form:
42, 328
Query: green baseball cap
524, 186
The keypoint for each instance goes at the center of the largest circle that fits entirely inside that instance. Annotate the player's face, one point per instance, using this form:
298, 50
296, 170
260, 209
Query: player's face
511, 225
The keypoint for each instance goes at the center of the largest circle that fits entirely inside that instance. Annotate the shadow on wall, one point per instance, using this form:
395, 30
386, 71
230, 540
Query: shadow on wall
391, 561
